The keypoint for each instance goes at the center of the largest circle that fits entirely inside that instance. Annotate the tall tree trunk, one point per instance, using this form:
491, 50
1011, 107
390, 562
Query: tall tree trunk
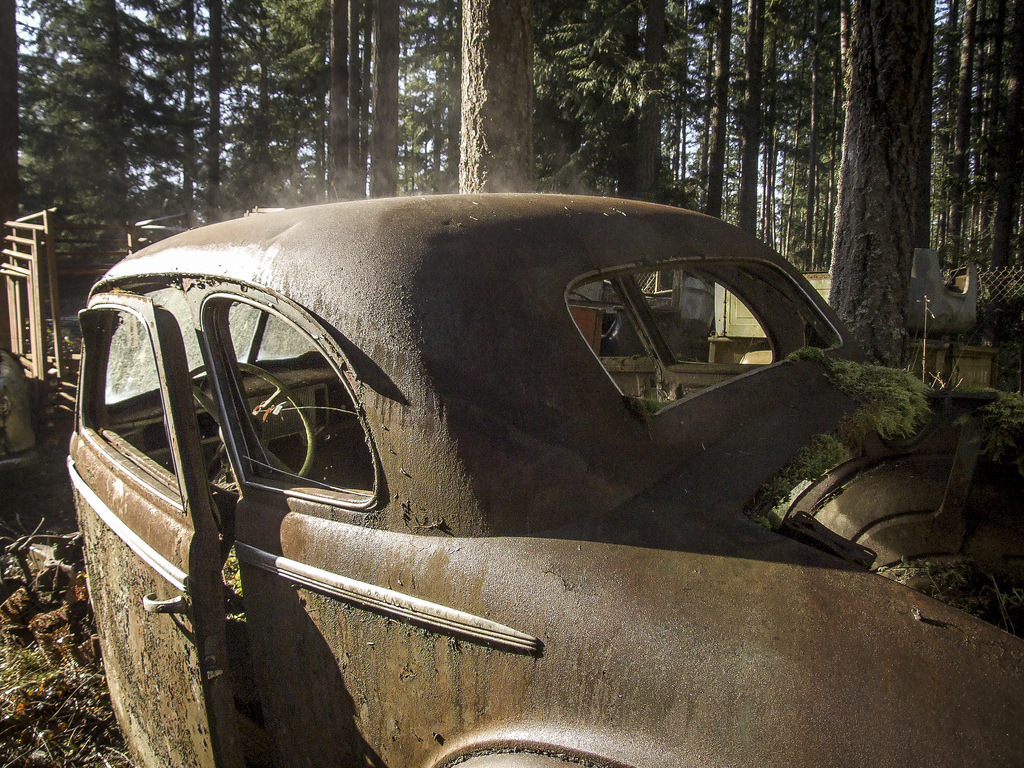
115, 105
1009, 175
958, 171
769, 228
923, 208
8, 135
384, 159
719, 118
8, 118
649, 129
367, 93
356, 97
213, 139
887, 108
339, 168
951, 35
189, 164
261, 152
991, 87
846, 44
810, 226
704, 162
451, 176
751, 118
835, 152
497, 96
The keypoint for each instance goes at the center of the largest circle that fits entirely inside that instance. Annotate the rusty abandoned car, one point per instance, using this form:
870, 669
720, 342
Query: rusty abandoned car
17, 431
483, 463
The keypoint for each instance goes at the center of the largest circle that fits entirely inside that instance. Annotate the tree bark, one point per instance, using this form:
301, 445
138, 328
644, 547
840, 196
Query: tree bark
8, 134
115, 104
8, 114
339, 168
497, 96
810, 228
719, 117
189, 163
958, 171
887, 107
213, 139
1008, 188
649, 129
923, 208
751, 118
384, 160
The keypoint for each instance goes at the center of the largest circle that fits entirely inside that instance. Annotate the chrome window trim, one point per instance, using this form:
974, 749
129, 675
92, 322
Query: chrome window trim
168, 570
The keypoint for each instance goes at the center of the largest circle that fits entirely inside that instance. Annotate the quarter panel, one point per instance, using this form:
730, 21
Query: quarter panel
650, 657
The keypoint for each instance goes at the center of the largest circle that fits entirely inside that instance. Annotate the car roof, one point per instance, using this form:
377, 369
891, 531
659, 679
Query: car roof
456, 308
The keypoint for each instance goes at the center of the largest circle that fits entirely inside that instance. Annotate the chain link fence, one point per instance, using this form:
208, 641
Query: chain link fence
1002, 284
1001, 322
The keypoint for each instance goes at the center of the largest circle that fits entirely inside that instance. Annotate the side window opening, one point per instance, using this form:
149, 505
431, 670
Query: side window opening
131, 410
301, 428
667, 333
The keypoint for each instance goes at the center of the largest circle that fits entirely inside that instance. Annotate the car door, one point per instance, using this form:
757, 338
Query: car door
151, 538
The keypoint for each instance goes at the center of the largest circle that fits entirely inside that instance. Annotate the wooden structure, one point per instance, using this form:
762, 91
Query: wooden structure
29, 267
39, 253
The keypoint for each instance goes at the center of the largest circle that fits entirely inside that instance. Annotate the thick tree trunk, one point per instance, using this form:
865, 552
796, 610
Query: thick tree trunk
649, 130
367, 93
190, 162
719, 117
497, 96
8, 113
384, 160
923, 208
115, 105
8, 135
887, 107
213, 138
339, 168
951, 33
846, 43
356, 98
261, 151
751, 118
958, 171
704, 163
810, 226
1008, 189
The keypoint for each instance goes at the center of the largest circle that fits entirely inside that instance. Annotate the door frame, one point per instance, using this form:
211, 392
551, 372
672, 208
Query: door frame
192, 567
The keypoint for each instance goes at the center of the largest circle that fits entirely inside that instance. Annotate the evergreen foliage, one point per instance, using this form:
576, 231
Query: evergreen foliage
115, 112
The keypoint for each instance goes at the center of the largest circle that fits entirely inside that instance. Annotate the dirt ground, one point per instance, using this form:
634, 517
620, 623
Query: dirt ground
39, 499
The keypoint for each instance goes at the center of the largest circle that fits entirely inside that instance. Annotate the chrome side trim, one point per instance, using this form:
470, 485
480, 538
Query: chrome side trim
177, 577
439, 618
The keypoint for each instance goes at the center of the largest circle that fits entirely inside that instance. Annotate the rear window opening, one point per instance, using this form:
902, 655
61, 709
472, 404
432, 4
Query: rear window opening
664, 334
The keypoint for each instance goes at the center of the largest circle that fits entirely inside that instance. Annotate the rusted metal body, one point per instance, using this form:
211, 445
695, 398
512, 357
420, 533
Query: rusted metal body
490, 555
17, 435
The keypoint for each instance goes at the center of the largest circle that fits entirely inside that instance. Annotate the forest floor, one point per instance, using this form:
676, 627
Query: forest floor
55, 708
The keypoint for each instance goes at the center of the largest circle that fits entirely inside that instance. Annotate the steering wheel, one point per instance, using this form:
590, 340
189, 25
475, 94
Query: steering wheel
270, 406
273, 405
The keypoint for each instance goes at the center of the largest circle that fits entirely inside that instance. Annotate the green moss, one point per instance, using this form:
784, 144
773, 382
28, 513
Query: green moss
1002, 429
644, 407
820, 455
893, 403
